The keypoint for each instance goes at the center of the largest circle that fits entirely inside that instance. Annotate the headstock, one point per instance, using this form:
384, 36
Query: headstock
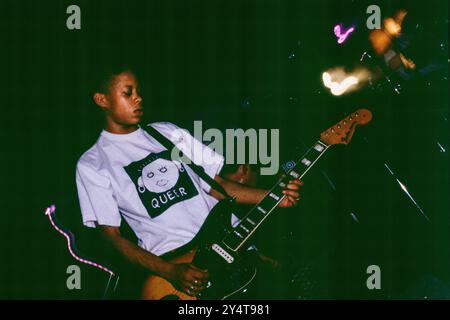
342, 132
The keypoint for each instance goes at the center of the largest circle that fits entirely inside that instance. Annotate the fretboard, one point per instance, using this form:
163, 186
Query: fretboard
256, 216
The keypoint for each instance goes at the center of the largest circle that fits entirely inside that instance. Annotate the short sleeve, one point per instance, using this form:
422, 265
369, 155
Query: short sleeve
199, 153
97, 202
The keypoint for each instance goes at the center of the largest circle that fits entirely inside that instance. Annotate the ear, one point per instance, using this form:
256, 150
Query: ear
101, 100
141, 186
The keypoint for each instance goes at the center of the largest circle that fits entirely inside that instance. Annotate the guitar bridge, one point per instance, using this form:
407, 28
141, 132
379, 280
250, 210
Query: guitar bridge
224, 254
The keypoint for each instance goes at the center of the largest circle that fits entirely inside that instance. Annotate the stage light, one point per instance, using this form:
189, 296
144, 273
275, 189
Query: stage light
338, 88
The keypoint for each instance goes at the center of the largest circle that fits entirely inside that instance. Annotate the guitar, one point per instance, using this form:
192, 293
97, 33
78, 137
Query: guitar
217, 246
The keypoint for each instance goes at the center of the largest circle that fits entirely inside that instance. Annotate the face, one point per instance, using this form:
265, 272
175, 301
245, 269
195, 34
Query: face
123, 104
159, 176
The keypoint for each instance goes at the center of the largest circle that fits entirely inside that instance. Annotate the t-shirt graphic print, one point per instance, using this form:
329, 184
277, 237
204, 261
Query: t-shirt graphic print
160, 182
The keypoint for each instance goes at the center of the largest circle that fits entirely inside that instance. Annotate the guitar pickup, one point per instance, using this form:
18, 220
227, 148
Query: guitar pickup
221, 252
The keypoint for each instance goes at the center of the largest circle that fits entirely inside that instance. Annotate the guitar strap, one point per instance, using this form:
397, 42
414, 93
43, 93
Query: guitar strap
200, 171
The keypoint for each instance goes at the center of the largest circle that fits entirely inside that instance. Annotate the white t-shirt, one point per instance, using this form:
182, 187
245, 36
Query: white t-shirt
132, 176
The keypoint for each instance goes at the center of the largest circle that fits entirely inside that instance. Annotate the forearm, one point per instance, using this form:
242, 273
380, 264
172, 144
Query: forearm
138, 256
243, 194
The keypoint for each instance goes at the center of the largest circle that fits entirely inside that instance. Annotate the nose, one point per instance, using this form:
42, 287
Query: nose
137, 99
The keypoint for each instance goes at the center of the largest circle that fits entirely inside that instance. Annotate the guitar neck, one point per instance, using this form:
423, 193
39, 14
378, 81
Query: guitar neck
256, 216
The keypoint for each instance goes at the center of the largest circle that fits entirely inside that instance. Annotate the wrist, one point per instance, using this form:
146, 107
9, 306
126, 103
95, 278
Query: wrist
168, 270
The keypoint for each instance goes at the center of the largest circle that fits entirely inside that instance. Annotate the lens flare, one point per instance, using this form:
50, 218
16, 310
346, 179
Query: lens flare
340, 82
338, 88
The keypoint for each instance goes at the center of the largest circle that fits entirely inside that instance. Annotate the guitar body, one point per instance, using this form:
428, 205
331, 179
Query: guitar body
229, 272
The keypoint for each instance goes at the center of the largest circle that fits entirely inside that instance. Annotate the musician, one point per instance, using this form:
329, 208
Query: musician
128, 174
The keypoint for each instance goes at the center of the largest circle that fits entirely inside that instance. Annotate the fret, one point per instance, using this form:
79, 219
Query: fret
278, 192
274, 196
306, 162
243, 227
255, 216
246, 225
319, 147
260, 209
294, 174
251, 221
238, 234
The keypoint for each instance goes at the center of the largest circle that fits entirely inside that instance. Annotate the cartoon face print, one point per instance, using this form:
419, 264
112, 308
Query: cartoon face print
160, 182
158, 176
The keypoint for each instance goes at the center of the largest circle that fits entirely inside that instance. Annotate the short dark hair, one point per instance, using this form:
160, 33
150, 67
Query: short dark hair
101, 82
104, 72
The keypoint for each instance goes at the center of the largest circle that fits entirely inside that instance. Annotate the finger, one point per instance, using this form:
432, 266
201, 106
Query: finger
197, 284
291, 193
292, 201
200, 282
294, 184
193, 266
189, 289
193, 291
189, 292
199, 274
199, 279
292, 187
286, 203
197, 288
